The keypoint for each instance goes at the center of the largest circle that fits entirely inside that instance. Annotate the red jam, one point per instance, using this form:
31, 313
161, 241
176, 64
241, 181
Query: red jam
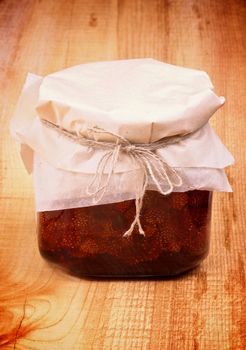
89, 241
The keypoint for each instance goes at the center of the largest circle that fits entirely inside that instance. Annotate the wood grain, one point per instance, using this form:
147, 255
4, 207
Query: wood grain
43, 308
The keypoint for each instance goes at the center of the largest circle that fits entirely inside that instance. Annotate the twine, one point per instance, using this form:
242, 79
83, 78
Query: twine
141, 154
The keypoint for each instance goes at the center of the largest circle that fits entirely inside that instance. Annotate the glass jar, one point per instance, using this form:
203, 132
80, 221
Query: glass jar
89, 241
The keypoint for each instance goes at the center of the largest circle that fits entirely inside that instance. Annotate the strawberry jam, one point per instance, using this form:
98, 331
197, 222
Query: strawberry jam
89, 241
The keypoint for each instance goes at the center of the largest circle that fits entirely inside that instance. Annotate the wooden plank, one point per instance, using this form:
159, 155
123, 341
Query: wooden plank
43, 308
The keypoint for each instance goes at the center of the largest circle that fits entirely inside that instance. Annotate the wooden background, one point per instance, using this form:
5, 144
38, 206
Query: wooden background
41, 307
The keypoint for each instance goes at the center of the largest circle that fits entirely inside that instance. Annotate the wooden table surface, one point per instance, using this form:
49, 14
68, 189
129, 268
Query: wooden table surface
40, 306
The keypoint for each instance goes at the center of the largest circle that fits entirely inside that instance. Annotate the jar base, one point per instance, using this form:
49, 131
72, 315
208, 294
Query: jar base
147, 270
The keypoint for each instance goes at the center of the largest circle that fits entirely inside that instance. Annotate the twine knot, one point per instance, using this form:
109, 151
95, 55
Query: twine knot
143, 156
129, 148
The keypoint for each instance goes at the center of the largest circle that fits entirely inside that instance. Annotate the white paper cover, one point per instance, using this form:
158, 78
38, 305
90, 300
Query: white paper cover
143, 100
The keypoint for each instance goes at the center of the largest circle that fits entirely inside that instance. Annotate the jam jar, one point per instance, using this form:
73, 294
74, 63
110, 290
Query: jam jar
89, 241
124, 164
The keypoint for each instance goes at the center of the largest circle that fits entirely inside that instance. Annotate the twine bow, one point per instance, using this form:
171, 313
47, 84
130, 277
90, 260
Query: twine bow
143, 155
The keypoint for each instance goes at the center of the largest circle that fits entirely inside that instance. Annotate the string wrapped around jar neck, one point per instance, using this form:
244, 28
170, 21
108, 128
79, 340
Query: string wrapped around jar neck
164, 177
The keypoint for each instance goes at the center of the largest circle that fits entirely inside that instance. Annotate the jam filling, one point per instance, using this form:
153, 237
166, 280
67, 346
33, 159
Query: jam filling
89, 241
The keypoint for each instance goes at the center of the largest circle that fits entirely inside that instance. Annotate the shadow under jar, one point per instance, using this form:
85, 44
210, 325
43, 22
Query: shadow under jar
89, 241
